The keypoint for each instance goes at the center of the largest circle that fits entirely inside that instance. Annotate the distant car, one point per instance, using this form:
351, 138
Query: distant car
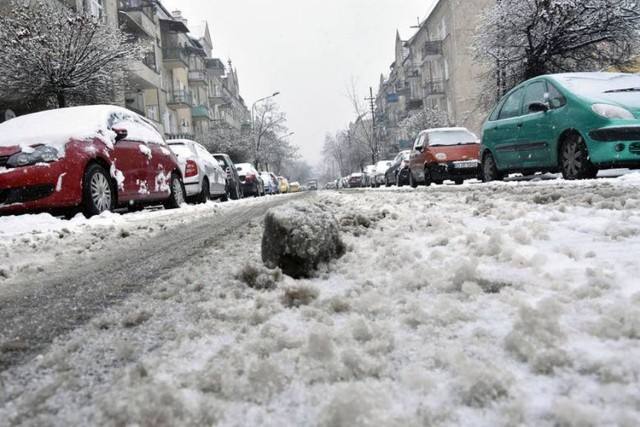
444, 153
356, 180
575, 123
250, 179
204, 179
90, 158
368, 175
312, 184
234, 187
270, 185
284, 184
294, 186
380, 169
398, 172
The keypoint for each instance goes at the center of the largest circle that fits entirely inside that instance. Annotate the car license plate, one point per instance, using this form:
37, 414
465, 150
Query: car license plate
466, 164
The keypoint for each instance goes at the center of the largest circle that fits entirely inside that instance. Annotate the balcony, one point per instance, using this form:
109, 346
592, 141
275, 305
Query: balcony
175, 58
432, 50
138, 16
201, 112
435, 87
180, 136
179, 99
198, 78
218, 99
414, 104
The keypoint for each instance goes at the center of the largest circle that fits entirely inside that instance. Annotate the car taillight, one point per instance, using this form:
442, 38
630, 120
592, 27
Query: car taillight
405, 163
228, 172
250, 177
191, 169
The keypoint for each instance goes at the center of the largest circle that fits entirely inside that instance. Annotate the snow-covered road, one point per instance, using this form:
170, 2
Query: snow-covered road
496, 304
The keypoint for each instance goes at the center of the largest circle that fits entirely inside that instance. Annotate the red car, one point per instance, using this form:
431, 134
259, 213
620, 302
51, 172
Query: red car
444, 153
90, 158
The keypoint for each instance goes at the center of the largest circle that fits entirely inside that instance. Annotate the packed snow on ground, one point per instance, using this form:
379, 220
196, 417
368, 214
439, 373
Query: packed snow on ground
479, 305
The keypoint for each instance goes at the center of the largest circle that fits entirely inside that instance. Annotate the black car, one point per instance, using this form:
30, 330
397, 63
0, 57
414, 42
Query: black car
234, 187
398, 172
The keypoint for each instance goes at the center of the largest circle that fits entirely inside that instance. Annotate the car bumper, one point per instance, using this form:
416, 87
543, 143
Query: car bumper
40, 187
455, 170
192, 185
403, 175
249, 187
614, 146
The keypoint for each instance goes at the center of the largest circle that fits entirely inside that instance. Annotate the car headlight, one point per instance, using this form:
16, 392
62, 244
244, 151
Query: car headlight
612, 112
40, 154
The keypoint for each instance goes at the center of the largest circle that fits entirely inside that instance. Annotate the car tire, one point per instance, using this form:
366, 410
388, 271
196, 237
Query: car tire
176, 196
574, 159
225, 197
490, 171
458, 181
203, 196
427, 176
98, 191
235, 192
412, 181
386, 181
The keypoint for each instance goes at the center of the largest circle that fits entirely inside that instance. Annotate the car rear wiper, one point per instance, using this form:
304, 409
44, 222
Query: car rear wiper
627, 89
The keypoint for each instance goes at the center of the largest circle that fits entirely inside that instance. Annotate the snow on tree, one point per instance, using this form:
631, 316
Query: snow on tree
268, 121
51, 55
426, 118
521, 39
236, 143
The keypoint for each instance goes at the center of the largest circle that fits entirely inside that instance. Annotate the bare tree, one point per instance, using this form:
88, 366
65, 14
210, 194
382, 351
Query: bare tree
51, 55
521, 39
238, 144
364, 136
426, 118
268, 121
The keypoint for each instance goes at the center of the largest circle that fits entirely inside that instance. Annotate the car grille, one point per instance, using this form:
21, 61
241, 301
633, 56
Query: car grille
24, 194
4, 160
635, 148
616, 134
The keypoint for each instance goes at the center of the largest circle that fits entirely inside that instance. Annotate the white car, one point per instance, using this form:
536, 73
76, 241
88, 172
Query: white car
204, 179
380, 169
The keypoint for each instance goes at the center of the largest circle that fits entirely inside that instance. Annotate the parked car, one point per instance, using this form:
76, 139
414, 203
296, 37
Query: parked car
270, 185
234, 187
380, 169
398, 172
91, 158
294, 186
312, 184
444, 153
575, 123
284, 184
204, 179
368, 175
250, 179
355, 180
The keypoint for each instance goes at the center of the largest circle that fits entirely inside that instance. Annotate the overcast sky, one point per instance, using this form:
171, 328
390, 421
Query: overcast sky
308, 50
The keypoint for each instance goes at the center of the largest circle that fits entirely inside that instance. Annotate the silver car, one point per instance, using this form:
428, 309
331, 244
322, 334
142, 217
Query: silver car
204, 179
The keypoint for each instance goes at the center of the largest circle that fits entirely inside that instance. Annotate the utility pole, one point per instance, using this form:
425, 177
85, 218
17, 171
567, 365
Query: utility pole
371, 100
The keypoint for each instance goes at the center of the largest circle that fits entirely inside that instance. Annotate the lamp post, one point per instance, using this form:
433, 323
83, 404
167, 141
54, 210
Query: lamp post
254, 105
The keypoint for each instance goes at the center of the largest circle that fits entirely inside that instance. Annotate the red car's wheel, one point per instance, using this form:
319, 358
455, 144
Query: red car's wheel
98, 191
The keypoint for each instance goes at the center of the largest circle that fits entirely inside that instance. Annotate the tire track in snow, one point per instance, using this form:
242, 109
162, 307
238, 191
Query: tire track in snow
32, 315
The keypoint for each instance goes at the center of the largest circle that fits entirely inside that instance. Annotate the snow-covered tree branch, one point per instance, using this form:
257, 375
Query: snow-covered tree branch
521, 39
53, 56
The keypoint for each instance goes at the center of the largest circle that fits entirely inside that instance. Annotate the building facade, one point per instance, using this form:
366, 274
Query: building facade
433, 69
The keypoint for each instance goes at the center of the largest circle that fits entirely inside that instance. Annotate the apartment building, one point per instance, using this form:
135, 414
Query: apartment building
177, 83
433, 69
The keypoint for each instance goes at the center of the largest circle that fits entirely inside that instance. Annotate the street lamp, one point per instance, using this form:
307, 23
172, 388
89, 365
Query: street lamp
261, 99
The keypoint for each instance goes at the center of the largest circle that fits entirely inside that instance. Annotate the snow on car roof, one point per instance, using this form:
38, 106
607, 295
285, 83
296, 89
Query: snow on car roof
452, 129
592, 83
58, 126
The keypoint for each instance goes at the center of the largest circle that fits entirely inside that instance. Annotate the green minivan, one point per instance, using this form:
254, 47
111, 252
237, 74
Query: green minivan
576, 123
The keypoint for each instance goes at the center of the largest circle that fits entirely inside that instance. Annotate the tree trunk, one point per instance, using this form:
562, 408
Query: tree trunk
62, 102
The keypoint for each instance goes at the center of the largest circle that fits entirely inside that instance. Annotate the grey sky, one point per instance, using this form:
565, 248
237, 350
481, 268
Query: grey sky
309, 50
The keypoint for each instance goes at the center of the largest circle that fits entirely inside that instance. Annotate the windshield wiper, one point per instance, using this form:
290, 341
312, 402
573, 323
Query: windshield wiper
627, 89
